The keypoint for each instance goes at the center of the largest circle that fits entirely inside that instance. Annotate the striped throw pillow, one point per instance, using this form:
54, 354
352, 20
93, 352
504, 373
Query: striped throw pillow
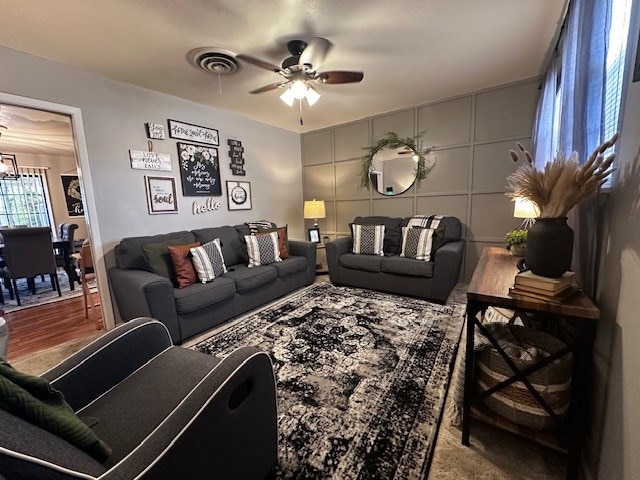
208, 261
255, 227
368, 239
263, 249
417, 243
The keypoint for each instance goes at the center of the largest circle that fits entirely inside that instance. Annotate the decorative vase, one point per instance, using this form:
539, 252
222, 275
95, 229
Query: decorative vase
549, 247
517, 250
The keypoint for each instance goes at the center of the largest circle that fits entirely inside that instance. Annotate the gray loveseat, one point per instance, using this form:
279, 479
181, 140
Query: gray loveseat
432, 280
194, 309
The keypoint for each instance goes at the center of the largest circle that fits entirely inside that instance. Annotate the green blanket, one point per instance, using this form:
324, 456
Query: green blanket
34, 400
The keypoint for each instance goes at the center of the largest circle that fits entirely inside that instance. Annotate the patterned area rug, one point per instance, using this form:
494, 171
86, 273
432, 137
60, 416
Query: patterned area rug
44, 293
362, 377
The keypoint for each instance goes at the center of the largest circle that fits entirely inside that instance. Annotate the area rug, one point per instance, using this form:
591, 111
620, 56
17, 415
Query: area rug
44, 293
361, 379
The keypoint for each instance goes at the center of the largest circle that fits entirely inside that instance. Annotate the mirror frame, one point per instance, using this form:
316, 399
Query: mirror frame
391, 140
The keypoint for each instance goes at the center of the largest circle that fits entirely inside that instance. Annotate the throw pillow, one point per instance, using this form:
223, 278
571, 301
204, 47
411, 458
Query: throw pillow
368, 239
263, 249
180, 255
417, 243
158, 258
283, 239
254, 227
428, 221
208, 261
34, 400
438, 240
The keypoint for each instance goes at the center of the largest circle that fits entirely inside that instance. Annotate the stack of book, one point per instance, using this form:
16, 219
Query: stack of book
529, 285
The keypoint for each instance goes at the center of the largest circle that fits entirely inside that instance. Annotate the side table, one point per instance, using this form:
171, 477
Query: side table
576, 318
322, 266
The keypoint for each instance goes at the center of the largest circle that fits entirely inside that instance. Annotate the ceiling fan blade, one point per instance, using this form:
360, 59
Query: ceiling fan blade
267, 88
258, 63
315, 53
339, 76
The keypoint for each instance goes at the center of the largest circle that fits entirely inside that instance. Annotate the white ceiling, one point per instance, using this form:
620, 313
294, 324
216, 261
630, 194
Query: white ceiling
411, 51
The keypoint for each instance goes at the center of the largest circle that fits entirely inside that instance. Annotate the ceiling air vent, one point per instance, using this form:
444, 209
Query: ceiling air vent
214, 60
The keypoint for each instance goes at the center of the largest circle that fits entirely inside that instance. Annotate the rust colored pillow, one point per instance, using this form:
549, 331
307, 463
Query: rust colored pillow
182, 265
283, 239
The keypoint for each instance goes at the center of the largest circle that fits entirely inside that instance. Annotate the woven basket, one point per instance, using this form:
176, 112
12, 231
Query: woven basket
515, 402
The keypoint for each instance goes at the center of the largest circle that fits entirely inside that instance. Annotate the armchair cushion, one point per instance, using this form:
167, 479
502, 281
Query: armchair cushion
34, 400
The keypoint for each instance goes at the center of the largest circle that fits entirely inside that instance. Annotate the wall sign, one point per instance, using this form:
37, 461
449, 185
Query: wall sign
236, 154
72, 195
161, 195
199, 169
210, 205
142, 160
239, 195
155, 131
195, 133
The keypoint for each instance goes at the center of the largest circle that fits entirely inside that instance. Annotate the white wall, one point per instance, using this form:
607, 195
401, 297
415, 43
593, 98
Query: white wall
114, 114
614, 437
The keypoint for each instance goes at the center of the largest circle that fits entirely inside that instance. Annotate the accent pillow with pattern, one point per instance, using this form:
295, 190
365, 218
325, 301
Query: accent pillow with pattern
208, 261
283, 239
263, 249
368, 239
417, 243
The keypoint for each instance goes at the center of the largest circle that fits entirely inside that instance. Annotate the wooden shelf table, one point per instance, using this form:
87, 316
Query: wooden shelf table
574, 322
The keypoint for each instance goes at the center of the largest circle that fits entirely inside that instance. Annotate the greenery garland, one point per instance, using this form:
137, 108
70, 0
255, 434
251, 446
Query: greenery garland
391, 140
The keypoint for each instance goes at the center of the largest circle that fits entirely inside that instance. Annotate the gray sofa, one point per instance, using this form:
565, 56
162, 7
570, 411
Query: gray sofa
432, 280
166, 412
194, 309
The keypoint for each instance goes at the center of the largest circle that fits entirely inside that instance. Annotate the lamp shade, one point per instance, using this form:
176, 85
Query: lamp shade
525, 208
314, 209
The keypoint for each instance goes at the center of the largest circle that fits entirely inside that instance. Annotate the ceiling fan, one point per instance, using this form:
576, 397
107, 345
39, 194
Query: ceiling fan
300, 71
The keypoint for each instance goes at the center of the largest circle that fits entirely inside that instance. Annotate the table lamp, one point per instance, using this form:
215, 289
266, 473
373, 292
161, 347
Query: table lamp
527, 210
314, 209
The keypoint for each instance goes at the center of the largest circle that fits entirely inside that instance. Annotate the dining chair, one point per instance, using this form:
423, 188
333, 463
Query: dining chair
87, 274
66, 231
28, 252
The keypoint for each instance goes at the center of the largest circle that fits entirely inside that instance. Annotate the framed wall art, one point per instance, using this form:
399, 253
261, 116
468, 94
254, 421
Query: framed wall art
161, 195
194, 133
199, 170
143, 160
155, 131
239, 195
72, 195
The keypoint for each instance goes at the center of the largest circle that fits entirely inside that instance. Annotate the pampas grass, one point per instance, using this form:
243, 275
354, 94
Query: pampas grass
563, 183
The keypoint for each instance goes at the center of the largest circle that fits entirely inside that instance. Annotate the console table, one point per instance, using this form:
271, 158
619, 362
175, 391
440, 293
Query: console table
573, 321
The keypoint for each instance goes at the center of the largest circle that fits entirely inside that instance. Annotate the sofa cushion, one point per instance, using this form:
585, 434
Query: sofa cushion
232, 242
129, 254
368, 239
291, 265
201, 295
263, 249
183, 270
407, 266
417, 243
367, 263
250, 278
208, 261
392, 231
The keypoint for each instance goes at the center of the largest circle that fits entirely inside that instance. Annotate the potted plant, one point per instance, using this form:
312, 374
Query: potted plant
515, 241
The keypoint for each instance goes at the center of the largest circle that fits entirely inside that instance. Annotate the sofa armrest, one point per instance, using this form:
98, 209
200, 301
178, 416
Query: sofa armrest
139, 293
226, 426
334, 249
446, 269
107, 361
305, 249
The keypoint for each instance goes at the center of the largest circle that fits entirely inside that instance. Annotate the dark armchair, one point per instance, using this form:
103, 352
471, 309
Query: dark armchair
166, 412
28, 252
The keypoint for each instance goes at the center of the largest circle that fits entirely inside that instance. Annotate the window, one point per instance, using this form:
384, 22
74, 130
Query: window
24, 201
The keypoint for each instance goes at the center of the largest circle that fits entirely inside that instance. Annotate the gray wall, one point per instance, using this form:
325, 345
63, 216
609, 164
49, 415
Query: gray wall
472, 134
113, 115
614, 440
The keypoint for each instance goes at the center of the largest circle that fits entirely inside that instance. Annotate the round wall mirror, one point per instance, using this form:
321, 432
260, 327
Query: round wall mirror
393, 170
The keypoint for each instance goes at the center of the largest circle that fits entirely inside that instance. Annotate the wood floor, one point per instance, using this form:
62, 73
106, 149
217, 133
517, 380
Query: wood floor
36, 328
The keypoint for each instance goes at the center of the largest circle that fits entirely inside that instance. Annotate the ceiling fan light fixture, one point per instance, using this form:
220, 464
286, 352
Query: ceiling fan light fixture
312, 96
287, 97
299, 89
